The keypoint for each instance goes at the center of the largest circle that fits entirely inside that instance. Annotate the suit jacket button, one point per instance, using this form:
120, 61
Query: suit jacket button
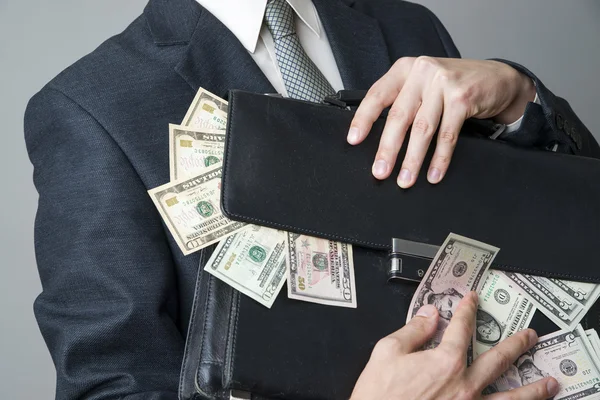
559, 121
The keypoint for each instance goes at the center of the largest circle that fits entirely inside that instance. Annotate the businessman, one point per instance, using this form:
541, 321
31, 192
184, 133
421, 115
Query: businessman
117, 292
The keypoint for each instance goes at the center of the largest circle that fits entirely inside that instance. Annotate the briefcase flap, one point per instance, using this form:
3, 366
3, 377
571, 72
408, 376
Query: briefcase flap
288, 166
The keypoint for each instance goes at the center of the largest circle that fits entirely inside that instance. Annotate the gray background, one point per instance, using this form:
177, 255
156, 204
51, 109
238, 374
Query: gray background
558, 40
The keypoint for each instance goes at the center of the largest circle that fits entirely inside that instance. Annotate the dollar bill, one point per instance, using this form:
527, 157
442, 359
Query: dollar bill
192, 151
253, 262
502, 312
190, 209
567, 356
554, 294
458, 268
558, 305
320, 271
577, 290
592, 336
208, 111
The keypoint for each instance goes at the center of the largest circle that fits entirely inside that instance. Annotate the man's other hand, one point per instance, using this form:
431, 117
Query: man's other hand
427, 93
398, 370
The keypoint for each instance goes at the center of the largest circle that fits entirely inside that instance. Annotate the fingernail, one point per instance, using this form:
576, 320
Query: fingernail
379, 168
353, 135
552, 387
404, 177
434, 175
532, 336
426, 311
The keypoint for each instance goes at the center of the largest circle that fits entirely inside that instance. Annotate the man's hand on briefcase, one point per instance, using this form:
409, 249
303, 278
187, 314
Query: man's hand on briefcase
428, 93
398, 370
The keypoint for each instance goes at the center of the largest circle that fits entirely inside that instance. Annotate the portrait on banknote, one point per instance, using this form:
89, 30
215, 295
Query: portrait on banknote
488, 331
528, 371
445, 301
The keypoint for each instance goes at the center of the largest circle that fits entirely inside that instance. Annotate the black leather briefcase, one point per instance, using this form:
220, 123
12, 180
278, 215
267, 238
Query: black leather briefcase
287, 165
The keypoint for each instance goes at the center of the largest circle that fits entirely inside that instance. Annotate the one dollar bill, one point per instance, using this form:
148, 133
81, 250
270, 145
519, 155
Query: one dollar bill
568, 356
502, 312
458, 268
190, 208
251, 261
207, 111
192, 150
320, 271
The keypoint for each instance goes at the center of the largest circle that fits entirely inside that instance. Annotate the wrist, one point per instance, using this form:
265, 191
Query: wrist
526, 93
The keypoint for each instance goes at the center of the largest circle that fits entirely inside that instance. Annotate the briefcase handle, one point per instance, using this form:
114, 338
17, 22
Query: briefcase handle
346, 98
352, 98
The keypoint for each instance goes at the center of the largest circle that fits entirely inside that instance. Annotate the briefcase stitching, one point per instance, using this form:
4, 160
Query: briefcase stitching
232, 339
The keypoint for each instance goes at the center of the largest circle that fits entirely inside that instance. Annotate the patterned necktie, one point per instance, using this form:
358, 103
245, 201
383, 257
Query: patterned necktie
301, 77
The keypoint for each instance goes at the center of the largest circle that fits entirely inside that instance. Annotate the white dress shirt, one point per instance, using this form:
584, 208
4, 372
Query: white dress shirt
244, 18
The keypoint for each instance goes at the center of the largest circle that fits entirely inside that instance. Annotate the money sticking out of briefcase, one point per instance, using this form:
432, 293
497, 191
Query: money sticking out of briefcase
288, 166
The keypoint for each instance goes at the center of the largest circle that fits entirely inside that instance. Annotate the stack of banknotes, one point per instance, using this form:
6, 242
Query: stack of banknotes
257, 261
252, 259
571, 355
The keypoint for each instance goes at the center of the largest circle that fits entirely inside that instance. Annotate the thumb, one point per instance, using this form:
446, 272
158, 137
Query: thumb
418, 330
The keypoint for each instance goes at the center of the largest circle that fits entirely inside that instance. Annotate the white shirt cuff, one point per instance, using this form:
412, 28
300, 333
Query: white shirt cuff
517, 124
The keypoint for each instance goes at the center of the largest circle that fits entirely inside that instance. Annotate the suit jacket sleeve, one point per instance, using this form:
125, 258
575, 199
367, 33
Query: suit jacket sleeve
543, 126
108, 306
553, 122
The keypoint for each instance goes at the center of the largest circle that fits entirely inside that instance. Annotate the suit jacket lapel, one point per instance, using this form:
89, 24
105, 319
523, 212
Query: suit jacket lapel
356, 41
217, 61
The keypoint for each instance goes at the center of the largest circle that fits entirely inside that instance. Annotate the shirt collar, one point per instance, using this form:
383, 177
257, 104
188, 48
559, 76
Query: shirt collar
244, 18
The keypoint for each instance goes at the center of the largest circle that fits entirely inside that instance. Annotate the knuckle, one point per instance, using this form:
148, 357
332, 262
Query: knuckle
418, 325
424, 61
464, 326
386, 346
422, 127
503, 359
451, 360
397, 114
445, 75
441, 161
376, 96
523, 342
404, 62
461, 96
448, 136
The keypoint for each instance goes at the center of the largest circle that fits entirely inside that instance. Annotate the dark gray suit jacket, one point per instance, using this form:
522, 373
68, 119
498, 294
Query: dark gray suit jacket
117, 291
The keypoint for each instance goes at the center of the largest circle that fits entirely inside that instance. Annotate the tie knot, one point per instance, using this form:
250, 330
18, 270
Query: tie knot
279, 17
